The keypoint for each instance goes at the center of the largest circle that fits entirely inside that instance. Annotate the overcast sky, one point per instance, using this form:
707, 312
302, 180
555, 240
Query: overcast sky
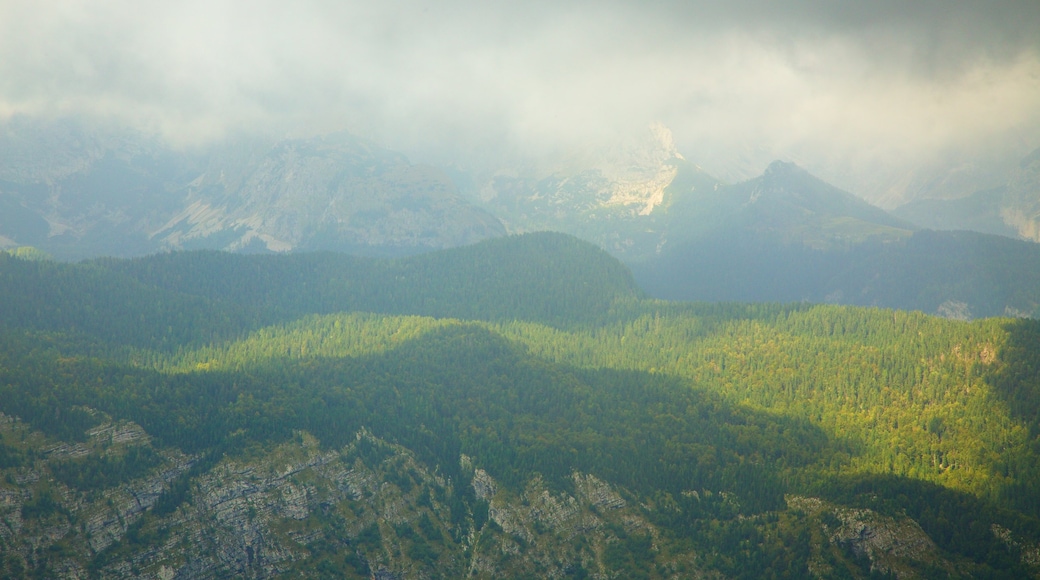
874, 80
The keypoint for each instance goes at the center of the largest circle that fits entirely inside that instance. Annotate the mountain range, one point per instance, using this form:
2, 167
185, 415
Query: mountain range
78, 192
272, 358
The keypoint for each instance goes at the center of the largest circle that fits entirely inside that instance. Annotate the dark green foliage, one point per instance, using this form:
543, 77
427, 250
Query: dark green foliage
171, 300
713, 411
630, 555
958, 523
12, 566
103, 471
370, 537
140, 535
43, 505
332, 554
420, 551
371, 453
179, 489
10, 456
1017, 380
42, 401
401, 480
428, 529
480, 514
88, 299
543, 277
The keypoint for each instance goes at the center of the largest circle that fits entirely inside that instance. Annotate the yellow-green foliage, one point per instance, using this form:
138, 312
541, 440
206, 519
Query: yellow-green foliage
29, 253
907, 392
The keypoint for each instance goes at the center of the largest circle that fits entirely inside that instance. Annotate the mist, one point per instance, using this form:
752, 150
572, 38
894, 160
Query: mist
839, 87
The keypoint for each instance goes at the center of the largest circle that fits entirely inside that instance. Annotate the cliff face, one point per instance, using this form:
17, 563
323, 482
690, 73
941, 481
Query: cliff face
371, 510
366, 510
334, 192
78, 192
618, 197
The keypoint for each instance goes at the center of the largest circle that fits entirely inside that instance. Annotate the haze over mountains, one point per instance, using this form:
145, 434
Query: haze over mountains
783, 236
79, 194
276, 299
1009, 209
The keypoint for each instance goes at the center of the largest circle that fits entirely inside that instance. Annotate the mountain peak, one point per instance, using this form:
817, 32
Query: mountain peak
788, 201
783, 168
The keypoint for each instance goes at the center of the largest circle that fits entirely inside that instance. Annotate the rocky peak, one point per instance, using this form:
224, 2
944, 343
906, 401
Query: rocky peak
780, 169
639, 171
80, 192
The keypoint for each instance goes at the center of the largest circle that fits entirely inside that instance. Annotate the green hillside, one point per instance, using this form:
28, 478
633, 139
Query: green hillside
174, 299
510, 409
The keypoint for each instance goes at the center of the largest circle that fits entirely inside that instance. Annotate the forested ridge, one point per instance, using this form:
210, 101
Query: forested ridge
536, 357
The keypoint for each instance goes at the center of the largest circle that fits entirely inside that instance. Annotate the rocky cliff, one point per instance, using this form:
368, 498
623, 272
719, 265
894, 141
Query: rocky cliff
617, 197
371, 510
76, 192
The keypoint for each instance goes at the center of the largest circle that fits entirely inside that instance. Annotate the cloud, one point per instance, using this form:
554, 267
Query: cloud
886, 78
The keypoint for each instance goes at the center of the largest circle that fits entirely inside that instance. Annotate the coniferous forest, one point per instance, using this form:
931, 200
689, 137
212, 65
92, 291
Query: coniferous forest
515, 408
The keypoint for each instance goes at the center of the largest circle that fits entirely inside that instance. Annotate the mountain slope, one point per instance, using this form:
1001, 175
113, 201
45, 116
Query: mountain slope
1008, 210
978, 212
789, 204
78, 191
1021, 207
166, 300
636, 438
619, 198
787, 236
334, 192
458, 449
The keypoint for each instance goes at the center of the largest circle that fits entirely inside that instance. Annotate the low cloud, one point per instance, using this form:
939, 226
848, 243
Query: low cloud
886, 80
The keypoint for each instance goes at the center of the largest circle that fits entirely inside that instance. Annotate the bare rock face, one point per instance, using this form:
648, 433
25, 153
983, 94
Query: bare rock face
328, 192
367, 510
616, 197
890, 545
371, 509
78, 191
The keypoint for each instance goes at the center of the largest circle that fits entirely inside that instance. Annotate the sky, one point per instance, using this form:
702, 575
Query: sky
835, 83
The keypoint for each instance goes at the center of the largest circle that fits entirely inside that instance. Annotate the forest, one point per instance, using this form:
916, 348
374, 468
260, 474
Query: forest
535, 357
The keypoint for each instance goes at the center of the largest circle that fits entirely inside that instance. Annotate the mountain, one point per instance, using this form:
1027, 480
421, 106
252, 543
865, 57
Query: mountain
1011, 210
618, 198
263, 425
170, 299
789, 204
788, 236
76, 191
331, 192
978, 212
1021, 207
